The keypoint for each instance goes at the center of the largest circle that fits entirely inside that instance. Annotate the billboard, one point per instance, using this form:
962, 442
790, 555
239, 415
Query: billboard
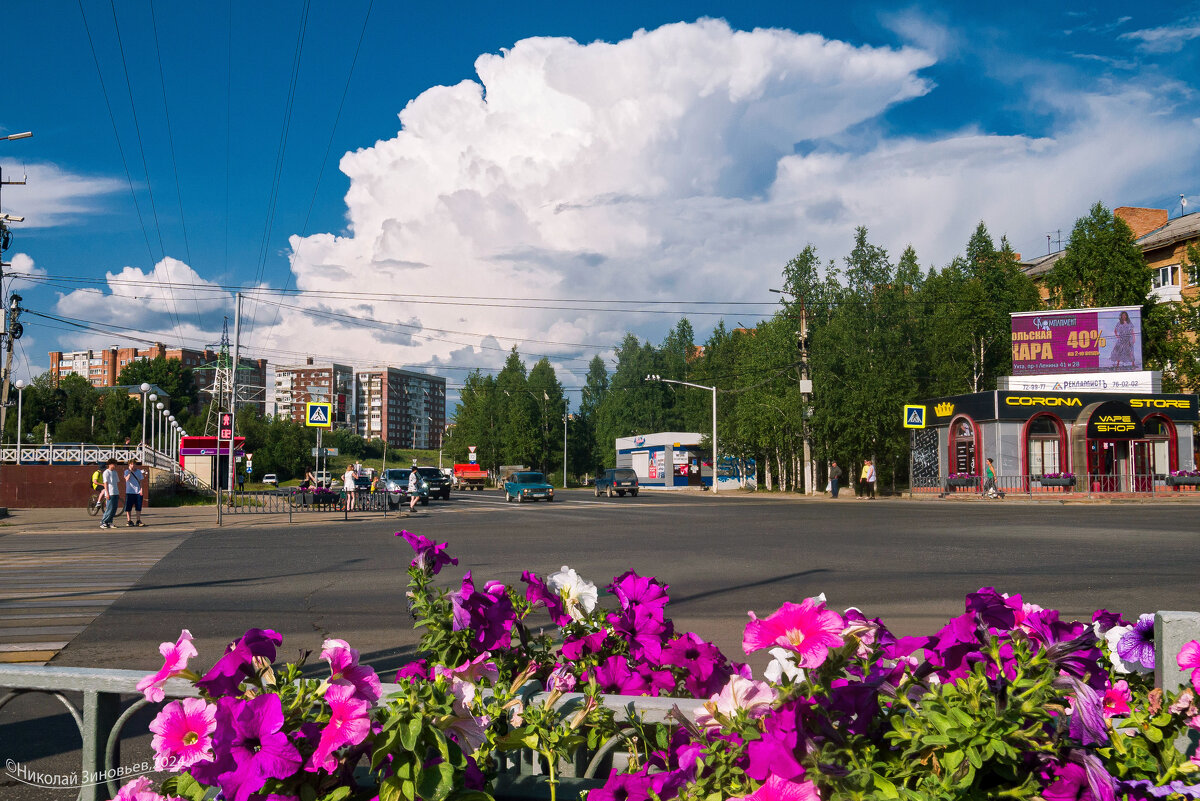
1105, 340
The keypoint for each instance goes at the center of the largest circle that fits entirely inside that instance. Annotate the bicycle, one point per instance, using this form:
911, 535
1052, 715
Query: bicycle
95, 504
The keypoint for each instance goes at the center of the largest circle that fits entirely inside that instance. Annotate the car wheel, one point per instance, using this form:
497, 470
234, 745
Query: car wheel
633, 493
610, 492
550, 500
520, 499
597, 492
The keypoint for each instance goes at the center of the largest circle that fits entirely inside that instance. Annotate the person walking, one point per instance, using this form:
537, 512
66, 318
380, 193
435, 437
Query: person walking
111, 493
350, 487
414, 487
135, 483
835, 475
868, 479
989, 483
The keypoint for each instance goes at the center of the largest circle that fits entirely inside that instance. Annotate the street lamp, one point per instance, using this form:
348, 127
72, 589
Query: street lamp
171, 431
144, 388
565, 418
24, 135
20, 395
714, 418
156, 427
162, 430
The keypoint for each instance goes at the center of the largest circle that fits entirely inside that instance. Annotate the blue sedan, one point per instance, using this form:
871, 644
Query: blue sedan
523, 487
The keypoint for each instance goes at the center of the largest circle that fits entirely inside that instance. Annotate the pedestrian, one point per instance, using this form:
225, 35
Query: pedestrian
868, 479
835, 474
989, 483
111, 493
350, 487
135, 482
414, 487
241, 481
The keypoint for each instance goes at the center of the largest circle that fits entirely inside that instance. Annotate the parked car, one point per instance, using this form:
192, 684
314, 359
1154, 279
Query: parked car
527, 486
362, 484
438, 483
271, 478
395, 483
618, 481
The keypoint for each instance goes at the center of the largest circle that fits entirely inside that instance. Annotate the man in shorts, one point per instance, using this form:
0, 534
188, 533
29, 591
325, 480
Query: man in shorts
135, 483
111, 493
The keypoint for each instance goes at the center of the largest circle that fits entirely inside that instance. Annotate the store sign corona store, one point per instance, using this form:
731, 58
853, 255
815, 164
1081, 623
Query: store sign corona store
1005, 405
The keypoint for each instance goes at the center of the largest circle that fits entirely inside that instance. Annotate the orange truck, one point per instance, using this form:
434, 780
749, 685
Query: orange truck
469, 476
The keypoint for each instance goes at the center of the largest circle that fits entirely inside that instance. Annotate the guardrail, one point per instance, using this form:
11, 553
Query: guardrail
102, 713
1043, 485
294, 501
79, 453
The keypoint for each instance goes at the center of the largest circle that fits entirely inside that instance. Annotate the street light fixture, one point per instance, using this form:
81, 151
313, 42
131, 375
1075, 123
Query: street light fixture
714, 417
20, 385
144, 388
156, 428
24, 135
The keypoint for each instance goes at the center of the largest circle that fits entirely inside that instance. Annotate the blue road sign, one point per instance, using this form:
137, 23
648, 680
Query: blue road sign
914, 416
319, 415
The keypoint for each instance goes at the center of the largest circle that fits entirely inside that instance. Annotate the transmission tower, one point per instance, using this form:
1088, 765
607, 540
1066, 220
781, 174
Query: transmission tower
221, 389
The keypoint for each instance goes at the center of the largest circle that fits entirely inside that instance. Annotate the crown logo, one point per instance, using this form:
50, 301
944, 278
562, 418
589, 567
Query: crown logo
944, 409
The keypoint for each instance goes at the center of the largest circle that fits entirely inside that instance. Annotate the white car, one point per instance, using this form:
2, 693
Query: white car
270, 478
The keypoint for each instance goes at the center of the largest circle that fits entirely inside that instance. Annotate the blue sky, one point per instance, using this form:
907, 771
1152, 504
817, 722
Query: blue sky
686, 163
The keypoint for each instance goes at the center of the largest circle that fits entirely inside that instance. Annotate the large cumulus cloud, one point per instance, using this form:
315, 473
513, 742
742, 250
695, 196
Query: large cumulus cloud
689, 162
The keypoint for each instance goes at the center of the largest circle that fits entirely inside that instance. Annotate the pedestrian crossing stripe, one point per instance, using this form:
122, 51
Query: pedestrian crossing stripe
914, 416
318, 414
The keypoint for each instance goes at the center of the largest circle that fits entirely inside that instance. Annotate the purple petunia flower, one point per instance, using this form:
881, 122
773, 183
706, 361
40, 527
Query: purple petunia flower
775, 752
1087, 720
994, 609
430, 557
1137, 789
575, 648
539, 593
614, 675
487, 614
237, 663
634, 590
1137, 644
644, 629
705, 668
257, 747
623, 787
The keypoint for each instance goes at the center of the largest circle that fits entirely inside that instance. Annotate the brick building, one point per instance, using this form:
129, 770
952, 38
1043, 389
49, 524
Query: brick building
103, 367
406, 408
328, 382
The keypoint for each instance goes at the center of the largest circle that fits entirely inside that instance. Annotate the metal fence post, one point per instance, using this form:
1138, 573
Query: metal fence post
100, 713
1172, 630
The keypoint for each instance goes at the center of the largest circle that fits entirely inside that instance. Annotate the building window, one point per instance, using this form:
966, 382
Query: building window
1043, 442
962, 447
1165, 276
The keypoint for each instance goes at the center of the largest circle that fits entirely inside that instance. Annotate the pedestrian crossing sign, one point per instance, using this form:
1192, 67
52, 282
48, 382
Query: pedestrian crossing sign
914, 416
319, 415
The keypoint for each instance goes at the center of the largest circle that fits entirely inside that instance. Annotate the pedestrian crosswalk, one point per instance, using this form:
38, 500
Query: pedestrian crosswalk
55, 584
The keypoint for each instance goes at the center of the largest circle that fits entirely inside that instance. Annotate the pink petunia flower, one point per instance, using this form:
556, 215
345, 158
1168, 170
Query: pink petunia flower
348, 725
807, 628
1116, 699
343, 664
141, 789
778, 789
183, 734
1189, 658
481, 667
752, 697
176, 656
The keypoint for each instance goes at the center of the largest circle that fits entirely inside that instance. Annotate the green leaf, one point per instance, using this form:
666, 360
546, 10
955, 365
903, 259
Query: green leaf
389, 789
308, 793
184, 786
885, 787
410, 732
337, 795
1153, 735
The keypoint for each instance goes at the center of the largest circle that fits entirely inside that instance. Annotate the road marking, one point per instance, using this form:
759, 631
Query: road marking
57, 583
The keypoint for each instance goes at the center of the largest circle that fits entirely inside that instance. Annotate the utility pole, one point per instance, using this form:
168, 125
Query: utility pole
12, 311
237, 333
810, 472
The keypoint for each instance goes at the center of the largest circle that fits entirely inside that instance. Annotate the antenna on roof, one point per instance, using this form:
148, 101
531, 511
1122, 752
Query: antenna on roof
1182, 204
1056, 238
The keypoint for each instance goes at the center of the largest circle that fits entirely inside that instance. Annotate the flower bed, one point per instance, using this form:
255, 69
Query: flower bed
1005, 700
961, 480
1183, 478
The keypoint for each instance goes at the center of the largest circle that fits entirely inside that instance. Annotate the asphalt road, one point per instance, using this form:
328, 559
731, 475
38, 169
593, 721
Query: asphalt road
909, 562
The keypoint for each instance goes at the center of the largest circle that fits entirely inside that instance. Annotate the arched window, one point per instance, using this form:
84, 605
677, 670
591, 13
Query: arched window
1160, 445
1044, 445
963, 447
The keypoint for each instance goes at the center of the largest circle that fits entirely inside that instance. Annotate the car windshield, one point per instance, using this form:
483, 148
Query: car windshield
362, 481
530, 478
429, 472
396, 475
624, 475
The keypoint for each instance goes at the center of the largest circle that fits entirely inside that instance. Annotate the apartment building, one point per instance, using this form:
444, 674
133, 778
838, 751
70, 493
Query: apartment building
103, 367
312, 382
406, 408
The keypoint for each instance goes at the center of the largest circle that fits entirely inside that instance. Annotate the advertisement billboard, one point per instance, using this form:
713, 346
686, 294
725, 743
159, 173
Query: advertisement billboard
1077, 341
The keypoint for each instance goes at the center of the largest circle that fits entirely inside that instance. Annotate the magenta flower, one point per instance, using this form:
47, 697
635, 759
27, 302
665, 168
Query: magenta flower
258, 748
176, 656
183, 734
776, 788
634, 590
623, 787
575, 648
561, 679
702, 663
348, 725
488, 614
430, 557
141, 789
774, 754
343, 664
614, 675
236, 664
644, 629
478, 669
1116, 699
807, 628
538, 593
413, 670
1189, 659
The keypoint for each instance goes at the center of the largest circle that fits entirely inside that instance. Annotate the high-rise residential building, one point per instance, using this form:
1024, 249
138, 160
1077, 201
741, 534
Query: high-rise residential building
403, 407
103, 367
326, 382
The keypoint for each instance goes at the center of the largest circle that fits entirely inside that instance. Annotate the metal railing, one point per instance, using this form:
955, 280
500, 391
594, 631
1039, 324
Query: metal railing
80, 453
1040, 485
295, 501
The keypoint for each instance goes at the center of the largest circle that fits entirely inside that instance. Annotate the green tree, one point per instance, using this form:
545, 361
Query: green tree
171, 375
1102, 265
518, 414
587, 450
475, 422
549, 405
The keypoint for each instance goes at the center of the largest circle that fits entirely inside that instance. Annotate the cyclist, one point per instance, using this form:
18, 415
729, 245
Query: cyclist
97, 499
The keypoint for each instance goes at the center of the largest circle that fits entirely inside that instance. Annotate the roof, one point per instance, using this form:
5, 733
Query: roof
1042, 264
1176, 230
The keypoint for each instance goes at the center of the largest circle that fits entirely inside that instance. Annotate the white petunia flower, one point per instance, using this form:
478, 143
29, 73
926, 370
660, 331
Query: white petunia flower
579, 596
1112, 637
784, 664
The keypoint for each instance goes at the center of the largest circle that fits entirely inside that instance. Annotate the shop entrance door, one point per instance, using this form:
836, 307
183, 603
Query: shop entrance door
1109, 465
1143, 467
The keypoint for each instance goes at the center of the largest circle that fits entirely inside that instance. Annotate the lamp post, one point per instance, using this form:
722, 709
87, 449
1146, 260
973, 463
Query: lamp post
152, 398
171, 441
156, 427
24, 135
144, 388
20, 384
714, 418
565, 418
162, 430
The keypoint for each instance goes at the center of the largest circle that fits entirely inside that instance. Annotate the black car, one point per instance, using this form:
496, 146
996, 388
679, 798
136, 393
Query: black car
618, 481
437, 481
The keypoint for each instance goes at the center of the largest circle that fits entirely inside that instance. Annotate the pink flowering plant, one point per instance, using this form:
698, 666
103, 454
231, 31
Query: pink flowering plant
1007, 700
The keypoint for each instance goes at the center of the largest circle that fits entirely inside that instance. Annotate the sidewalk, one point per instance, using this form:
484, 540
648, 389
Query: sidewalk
172, 519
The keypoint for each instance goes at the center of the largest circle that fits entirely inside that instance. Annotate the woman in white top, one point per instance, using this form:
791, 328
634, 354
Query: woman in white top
349, 487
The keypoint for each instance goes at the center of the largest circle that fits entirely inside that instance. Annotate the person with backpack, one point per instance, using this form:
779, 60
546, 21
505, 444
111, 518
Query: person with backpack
135, 484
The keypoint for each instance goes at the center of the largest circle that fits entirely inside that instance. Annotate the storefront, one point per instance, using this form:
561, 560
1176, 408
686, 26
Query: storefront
1110, 442
666, 459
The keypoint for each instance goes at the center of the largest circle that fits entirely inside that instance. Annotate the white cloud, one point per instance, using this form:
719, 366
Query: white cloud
21, 266
171, 303
1166, 39
665, 167
51, 195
